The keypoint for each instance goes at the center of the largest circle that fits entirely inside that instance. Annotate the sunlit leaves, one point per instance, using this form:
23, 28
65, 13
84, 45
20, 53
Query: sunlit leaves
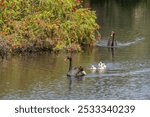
56, 24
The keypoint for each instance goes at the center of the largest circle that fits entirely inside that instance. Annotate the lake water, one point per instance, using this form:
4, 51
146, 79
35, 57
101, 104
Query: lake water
128, 65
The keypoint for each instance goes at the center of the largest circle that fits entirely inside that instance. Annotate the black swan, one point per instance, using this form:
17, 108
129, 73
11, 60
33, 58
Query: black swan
111, 42
75, 72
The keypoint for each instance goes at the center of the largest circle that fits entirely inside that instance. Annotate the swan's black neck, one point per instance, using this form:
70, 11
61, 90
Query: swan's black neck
113, 40
70, 63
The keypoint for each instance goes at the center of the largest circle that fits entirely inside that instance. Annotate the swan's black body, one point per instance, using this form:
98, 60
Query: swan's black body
75, 72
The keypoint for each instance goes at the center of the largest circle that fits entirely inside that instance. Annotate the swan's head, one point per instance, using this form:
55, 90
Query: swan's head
112, 33
93, 67
101, 66
68, 58
100, 63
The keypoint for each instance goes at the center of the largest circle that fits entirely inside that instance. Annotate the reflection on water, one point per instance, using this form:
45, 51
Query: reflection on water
127, 75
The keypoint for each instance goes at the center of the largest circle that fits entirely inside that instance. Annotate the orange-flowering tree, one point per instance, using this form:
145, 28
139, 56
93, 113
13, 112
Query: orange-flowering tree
46, 24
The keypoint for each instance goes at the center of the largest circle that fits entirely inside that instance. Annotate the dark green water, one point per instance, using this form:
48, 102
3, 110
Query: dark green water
128, 66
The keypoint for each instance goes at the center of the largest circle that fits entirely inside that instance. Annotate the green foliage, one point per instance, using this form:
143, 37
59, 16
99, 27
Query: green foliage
47, 24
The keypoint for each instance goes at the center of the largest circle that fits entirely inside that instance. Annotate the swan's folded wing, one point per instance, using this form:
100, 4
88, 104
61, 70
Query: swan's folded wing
76, 72
73, 72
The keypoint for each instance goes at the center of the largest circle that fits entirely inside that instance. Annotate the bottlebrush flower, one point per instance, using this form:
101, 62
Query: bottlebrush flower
74, 9
14, 46
77, 1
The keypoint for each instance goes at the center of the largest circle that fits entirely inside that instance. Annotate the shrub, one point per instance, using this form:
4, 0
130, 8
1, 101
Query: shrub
47, 24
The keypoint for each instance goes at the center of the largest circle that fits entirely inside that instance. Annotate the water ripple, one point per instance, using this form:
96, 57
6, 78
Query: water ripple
103, 43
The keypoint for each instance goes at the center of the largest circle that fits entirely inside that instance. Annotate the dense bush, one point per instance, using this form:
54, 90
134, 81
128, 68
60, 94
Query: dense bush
33, 25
